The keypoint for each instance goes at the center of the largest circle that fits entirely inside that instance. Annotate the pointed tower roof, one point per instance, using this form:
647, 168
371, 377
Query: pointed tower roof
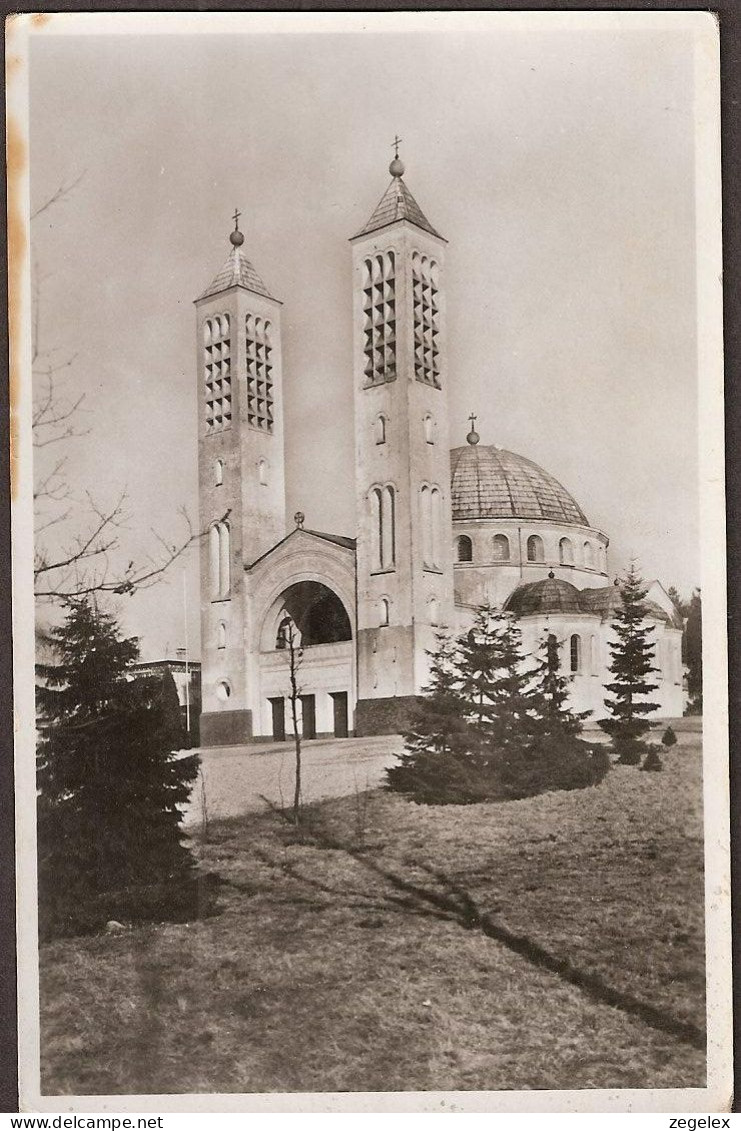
397, 203
237, 271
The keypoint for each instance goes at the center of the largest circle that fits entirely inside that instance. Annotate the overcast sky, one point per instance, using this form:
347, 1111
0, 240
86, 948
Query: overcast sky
558, 164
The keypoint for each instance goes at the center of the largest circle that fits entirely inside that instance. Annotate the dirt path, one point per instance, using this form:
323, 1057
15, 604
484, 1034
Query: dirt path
235, 778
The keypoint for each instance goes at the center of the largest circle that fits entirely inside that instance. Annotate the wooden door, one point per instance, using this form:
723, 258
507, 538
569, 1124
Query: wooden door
278, 707
339, 699
308, 715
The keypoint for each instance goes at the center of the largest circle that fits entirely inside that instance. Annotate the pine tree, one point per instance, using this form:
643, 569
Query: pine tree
110, 789
553, 689
632, 654
438, 767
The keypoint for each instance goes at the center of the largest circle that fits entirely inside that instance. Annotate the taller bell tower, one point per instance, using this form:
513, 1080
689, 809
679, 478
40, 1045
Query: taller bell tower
240, 475
404, 553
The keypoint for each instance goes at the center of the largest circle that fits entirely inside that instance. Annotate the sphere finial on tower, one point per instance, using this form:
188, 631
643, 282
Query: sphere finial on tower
396, 168
473, 436
236, 238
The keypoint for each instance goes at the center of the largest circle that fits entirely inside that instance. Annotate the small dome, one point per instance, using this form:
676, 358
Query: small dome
489, 482
551, 595
606, 601
396, 168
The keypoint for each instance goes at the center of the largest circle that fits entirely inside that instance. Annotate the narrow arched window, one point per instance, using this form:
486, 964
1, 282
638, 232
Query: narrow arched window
566, 551
388, 530
218, 472
221, 635
383, 612
224, 560
594, 655
425, 516
434, 614
603, 559
376, 527
262, 472
500, 548
464, 548
223, 690
436, 508
589, 555
535, 550
213, 561
575, 653
381, 422
429, 427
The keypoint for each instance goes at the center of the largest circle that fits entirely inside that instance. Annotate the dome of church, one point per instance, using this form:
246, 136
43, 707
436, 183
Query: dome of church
489, 482
551, 595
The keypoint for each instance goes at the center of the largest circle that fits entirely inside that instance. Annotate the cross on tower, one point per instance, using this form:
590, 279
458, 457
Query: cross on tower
396, 143
473, 419
235, 218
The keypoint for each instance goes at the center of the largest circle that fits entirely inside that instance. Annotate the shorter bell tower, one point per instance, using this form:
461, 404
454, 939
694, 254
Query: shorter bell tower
240, 475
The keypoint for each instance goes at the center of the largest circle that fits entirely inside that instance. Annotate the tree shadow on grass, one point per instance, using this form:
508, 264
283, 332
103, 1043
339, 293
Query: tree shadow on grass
445, 899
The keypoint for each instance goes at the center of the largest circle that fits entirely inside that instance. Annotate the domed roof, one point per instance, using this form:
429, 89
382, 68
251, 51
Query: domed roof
489, 482
551, 595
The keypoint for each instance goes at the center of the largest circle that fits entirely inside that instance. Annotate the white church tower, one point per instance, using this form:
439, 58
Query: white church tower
404, 553
241, 476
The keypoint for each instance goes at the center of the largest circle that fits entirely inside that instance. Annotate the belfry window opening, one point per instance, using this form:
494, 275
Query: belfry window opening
217, 359
379, 319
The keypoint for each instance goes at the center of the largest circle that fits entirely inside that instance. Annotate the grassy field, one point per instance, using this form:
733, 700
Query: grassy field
555, 942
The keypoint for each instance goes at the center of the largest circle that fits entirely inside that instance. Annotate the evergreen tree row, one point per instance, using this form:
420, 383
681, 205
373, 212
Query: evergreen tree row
491, 728
488, 728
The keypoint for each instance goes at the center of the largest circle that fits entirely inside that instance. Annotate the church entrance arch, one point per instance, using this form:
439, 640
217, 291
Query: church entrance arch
316, 612
310, 615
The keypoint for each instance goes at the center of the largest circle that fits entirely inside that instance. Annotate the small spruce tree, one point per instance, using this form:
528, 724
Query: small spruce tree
669, 738
553, 688
110, 788
438, 766
632, 654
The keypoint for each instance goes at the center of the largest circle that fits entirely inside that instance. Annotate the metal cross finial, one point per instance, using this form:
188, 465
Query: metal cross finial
473, 419
235, 218
396, 143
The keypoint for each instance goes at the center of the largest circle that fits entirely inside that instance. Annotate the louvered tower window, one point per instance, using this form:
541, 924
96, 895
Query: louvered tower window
259, 371
379, 319
426, 320
217, 351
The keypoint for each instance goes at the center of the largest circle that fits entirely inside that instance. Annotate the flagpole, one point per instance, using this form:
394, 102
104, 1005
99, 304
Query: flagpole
187, 676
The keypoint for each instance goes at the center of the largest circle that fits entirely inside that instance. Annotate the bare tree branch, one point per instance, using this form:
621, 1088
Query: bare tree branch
83, 566
61, 193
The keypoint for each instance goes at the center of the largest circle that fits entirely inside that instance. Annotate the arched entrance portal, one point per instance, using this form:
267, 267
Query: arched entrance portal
316, 612
308, 625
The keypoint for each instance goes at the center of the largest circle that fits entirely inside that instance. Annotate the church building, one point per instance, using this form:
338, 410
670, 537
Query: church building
440, 532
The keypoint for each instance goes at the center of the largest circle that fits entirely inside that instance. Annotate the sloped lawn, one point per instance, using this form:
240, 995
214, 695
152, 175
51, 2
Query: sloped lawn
555, 942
